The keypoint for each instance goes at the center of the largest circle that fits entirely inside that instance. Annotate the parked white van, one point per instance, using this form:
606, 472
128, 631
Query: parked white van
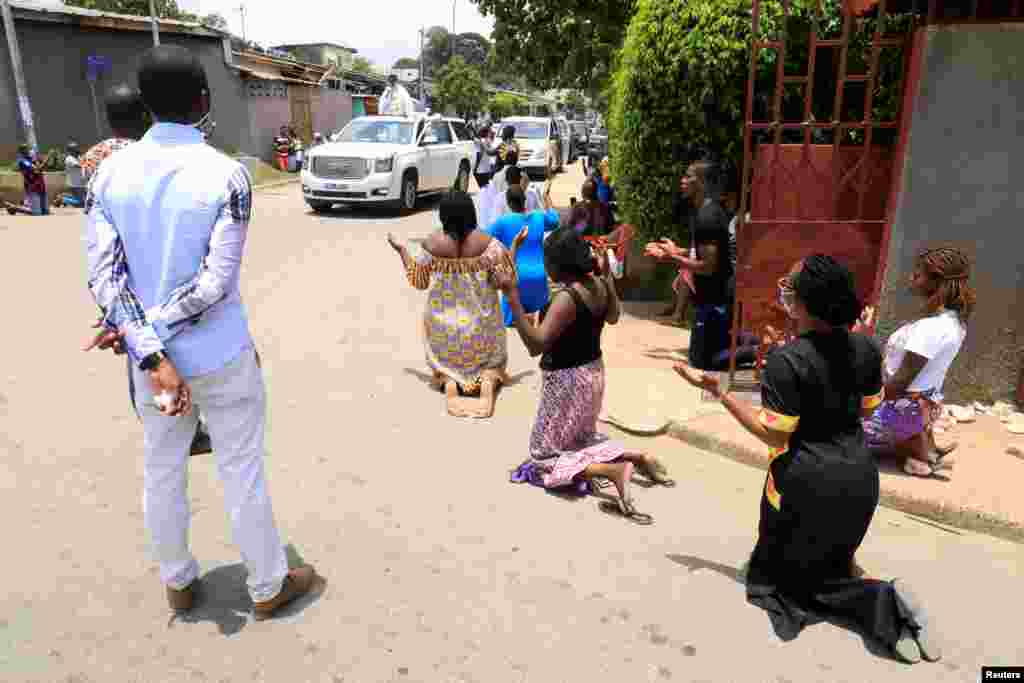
544, 143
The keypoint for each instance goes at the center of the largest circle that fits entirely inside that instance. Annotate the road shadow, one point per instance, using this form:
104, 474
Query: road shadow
223, 599
371, 212
786, 618
666, 353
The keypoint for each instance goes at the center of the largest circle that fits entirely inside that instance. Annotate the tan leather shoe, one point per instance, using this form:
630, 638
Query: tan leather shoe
182, 601
297, 583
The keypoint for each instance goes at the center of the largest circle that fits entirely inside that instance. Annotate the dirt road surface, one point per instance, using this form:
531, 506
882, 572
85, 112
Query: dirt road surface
437, 568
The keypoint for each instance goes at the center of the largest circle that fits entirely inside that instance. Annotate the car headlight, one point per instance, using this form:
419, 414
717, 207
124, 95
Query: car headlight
384, 165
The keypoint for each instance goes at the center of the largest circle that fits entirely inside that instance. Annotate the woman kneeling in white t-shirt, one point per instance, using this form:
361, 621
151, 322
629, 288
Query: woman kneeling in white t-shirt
917, 358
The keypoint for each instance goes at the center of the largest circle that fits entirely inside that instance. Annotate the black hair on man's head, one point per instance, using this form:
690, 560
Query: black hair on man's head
171, 81
514, 174
516, 199
126, 112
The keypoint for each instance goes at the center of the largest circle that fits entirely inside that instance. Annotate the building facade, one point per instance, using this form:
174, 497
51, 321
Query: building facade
341, 56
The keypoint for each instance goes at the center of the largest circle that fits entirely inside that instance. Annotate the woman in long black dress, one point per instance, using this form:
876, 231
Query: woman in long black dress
822, 485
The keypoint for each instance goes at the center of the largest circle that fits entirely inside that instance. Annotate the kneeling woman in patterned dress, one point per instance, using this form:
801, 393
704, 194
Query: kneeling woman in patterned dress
566, 450
464, 331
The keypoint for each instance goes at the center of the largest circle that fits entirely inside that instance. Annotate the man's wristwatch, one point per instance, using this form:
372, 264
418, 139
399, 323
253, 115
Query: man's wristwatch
152, 361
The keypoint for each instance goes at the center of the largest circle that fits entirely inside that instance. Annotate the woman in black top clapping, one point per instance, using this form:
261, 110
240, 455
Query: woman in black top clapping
566, 451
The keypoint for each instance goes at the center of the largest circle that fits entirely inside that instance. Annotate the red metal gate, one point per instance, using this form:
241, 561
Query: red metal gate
805, 197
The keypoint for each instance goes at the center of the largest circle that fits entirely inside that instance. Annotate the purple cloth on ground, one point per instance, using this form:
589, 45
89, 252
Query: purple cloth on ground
529, 473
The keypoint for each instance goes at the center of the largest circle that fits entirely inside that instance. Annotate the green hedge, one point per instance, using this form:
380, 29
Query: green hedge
676, 55
680, 86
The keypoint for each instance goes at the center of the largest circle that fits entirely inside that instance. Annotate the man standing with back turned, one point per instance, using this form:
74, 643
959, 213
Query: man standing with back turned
166, 230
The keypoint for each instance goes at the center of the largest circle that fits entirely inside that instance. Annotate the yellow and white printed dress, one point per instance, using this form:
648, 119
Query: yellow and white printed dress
464, 331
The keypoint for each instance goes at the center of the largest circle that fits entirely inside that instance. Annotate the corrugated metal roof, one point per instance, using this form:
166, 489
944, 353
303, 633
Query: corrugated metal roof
57, 8
265, 75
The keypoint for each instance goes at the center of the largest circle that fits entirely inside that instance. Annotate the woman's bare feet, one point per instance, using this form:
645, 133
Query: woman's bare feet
488, 397
456, 408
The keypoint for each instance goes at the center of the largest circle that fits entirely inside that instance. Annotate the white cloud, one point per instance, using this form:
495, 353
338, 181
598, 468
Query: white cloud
382, 30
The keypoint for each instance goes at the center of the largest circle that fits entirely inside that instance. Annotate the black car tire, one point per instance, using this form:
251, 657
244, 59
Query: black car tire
409, 194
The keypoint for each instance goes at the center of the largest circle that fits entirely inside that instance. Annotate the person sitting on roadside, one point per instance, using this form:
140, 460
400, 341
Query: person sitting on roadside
917, 358
31, 167
566, 450
282, 148
74, 179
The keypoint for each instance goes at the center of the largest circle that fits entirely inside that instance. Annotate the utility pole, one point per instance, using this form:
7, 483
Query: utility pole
241, 11
152, 19
422, 31
19, 77
452, 49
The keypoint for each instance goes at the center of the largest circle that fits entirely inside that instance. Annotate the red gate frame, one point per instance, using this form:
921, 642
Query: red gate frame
860, 239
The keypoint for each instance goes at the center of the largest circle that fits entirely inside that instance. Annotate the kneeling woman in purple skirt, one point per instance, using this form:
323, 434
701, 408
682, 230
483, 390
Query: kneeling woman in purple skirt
566, 451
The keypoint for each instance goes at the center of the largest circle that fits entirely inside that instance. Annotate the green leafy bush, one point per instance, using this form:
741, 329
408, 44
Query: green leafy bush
677, 55
679, 91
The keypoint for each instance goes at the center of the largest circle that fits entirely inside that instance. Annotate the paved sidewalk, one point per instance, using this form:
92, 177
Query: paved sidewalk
982, 493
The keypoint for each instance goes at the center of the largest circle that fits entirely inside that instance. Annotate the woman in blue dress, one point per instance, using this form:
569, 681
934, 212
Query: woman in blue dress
533, 279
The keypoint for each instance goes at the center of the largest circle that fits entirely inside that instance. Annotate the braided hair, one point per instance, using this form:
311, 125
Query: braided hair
949, 270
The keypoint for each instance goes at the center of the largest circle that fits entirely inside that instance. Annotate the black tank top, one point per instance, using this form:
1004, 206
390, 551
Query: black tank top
580, 343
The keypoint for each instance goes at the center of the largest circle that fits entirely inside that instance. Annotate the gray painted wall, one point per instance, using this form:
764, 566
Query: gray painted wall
332, 111
266, 116
54, 57
961, 186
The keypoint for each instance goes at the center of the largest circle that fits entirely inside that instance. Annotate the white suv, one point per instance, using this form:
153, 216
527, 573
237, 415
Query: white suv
544, 143
388, 160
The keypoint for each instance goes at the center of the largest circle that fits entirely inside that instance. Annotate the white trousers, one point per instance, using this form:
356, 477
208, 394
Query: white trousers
233, 404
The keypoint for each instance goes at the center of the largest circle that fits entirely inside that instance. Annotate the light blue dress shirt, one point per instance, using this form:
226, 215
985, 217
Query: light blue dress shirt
167, 223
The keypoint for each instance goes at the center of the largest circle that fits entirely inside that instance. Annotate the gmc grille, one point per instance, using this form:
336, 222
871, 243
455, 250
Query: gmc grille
340, 168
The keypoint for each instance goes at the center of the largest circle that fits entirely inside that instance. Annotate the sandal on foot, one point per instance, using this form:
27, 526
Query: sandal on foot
657, 472
629, 511
906, 648
919, 624
930, 469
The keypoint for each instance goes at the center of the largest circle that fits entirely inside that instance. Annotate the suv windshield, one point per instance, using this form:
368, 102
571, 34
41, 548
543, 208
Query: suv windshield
368, 130
530, 130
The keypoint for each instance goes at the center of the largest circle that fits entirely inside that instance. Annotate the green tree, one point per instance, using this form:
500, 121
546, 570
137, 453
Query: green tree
460, 86
214, 20
473, 48
575, 103
167, 9
362, 65
559, 43
407, 63
682, 76
437, 50
504, 104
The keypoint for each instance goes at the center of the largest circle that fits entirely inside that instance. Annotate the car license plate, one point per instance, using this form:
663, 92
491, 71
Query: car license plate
336, 186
